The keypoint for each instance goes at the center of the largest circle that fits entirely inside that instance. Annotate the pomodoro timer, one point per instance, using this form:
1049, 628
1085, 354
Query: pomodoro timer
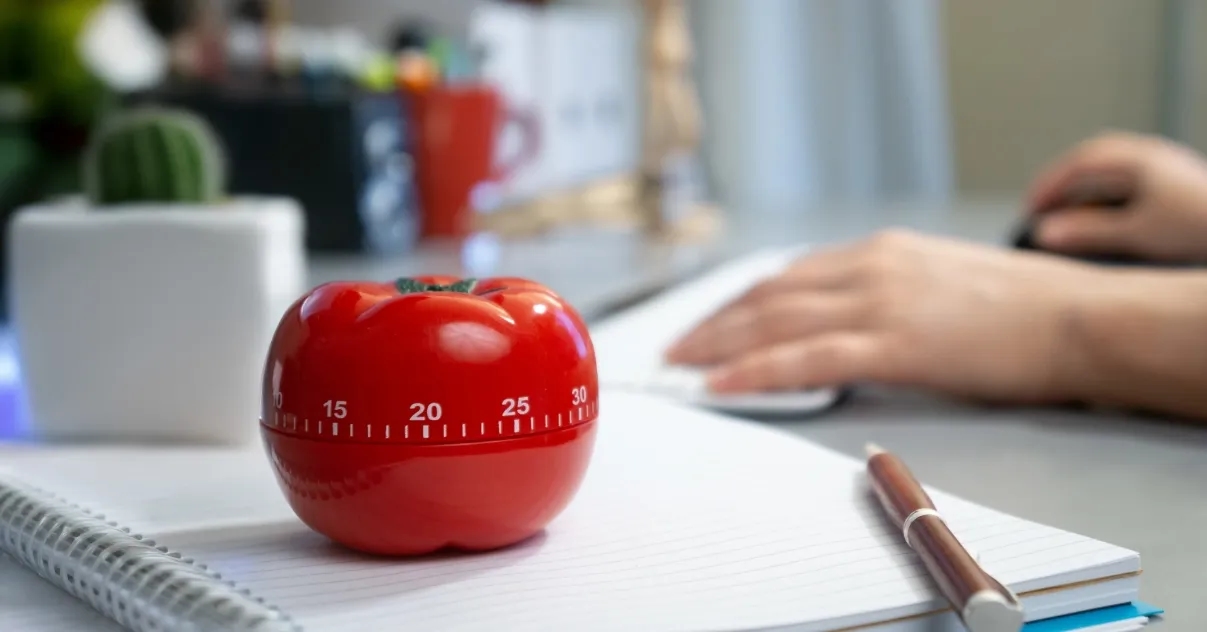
432, 412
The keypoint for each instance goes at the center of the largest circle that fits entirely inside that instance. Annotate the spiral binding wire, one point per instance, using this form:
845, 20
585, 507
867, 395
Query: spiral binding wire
128, 578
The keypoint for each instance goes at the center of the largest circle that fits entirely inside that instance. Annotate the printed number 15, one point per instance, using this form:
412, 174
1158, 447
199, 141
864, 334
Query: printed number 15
339, 409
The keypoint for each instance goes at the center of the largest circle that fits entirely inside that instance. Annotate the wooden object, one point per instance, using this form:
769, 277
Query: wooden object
615, 203
672, 126
659, 197
981, 601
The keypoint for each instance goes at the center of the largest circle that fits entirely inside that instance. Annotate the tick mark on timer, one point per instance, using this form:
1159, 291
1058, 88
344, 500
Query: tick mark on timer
573, 415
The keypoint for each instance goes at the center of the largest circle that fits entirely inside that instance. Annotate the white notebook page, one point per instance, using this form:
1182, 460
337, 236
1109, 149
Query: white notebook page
150, 490
157, 489
686, 521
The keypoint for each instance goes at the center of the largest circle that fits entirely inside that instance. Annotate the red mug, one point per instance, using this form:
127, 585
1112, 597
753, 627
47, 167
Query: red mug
454, 131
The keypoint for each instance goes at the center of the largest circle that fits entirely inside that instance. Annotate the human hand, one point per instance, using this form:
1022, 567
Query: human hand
1161, 187
905, 309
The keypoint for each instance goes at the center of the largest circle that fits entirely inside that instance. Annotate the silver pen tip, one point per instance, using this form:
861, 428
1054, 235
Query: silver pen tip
872, 449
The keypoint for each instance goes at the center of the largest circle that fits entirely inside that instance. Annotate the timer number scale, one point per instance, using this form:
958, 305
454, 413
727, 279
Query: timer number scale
401, 418
426, 421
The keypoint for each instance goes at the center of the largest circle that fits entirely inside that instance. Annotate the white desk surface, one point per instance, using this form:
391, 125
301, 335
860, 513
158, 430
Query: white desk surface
1134, 482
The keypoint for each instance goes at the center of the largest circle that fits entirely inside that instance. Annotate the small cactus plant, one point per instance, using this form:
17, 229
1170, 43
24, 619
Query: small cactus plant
154, 154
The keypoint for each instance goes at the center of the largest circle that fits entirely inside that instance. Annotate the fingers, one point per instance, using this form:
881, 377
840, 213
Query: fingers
1087, 230
777, 319
1106, 167
824, 361
824, 269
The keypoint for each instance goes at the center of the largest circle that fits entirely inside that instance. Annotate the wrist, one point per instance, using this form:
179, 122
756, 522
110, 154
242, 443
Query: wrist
1138, 340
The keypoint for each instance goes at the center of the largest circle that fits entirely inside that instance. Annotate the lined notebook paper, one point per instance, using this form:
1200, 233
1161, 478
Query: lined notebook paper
686, 521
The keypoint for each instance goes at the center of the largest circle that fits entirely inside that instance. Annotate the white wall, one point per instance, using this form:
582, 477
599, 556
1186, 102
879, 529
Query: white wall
1029, 78
376, 18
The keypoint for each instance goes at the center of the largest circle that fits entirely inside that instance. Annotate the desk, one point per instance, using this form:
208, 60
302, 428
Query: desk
1074, 470
1138, 483
1133, 482
601, 270
595, 270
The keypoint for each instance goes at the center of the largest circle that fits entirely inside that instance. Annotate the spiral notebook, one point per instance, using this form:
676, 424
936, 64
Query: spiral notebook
687, 520
629, 345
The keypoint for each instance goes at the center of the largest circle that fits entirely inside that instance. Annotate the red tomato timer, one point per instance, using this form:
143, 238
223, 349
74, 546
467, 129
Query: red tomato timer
428, 413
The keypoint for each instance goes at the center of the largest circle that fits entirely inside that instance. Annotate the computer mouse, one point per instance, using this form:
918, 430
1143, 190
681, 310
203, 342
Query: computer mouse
1024, 239
1110, 195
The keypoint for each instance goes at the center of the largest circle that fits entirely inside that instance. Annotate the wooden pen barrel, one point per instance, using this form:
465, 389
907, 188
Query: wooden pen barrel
979, 599
956, 573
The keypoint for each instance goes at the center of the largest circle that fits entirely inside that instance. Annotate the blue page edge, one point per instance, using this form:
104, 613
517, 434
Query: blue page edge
1098, 616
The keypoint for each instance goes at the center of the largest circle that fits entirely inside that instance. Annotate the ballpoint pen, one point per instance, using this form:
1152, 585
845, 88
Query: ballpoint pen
981, 602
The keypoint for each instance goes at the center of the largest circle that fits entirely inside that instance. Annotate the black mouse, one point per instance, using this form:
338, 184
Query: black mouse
1109, 202
1024, 239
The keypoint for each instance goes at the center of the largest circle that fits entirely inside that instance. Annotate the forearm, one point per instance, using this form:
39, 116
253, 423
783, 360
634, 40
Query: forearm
1141, 343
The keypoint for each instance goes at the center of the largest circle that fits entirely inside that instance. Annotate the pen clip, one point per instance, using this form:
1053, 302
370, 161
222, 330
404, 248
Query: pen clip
997, 610
997, 584
1006, 592
992, 609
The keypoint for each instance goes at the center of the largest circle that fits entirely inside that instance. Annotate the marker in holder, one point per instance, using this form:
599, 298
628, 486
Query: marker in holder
402, 418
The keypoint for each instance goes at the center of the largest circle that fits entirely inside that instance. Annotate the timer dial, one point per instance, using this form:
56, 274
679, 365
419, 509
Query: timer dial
400, 407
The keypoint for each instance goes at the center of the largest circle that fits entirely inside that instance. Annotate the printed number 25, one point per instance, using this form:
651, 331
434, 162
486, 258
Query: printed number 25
580, 395
515, 406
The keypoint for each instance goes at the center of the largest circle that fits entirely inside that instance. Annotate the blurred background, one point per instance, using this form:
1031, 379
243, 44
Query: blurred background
400, 125
802, 103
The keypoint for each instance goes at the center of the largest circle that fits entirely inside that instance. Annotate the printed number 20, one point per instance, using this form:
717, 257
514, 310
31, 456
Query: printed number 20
580, 395
426, 412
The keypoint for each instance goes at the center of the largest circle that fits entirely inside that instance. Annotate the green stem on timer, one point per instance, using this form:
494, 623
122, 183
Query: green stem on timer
412, 286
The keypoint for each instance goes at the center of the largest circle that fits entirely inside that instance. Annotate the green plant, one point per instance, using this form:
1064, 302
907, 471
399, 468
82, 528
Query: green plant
154, 154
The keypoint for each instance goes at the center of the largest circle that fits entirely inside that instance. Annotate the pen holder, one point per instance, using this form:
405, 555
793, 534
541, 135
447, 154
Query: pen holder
147, 322
402, 418
455, 129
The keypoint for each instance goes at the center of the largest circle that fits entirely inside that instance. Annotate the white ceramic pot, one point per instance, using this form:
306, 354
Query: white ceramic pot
144, 323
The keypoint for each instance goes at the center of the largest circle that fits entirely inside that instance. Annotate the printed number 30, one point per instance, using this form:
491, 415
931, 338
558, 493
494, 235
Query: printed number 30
580, 395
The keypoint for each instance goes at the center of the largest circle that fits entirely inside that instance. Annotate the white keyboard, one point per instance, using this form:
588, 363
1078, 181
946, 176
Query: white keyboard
629, 345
